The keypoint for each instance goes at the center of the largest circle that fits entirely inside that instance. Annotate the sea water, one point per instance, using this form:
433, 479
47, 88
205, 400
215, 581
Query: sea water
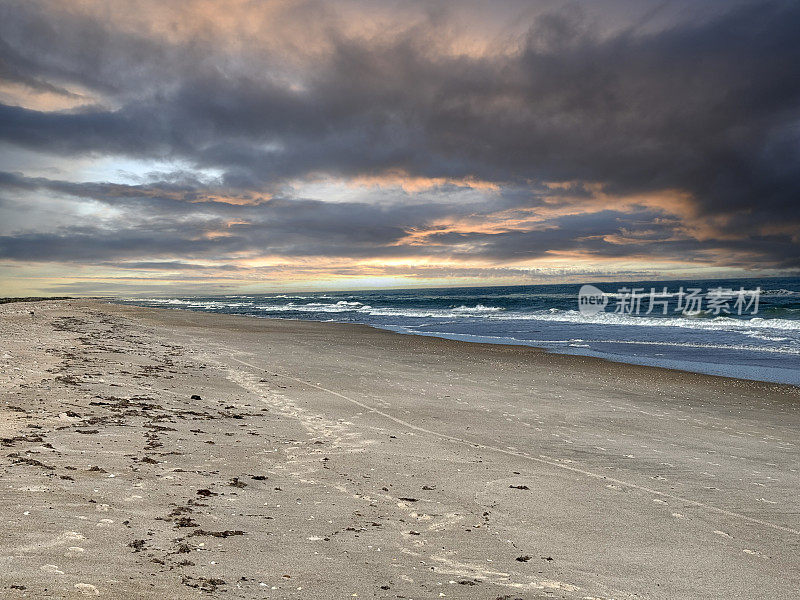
764, 346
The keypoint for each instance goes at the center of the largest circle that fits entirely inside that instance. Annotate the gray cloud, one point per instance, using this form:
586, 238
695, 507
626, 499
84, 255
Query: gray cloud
708, 108
166, 222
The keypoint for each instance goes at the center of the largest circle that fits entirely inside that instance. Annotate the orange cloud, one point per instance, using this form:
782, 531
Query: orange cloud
47, 98
413, 183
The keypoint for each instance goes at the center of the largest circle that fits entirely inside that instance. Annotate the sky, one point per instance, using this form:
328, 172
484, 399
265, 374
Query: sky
199, 147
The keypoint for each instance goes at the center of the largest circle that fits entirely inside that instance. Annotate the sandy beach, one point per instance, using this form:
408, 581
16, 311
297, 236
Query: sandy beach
161, 453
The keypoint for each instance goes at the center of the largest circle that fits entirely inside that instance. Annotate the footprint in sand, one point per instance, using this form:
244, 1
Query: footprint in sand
722, 533
52, 569
87, 589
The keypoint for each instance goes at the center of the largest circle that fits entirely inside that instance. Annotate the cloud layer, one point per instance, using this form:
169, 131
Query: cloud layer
410, 140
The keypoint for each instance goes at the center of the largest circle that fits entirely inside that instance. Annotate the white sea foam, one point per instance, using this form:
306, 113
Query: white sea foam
720, 323
715, 323
765, 346
700, 322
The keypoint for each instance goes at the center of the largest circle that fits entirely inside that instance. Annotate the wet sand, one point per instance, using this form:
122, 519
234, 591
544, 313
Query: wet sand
159, 453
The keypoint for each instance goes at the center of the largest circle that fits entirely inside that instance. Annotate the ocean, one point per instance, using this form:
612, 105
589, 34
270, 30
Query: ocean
762, 344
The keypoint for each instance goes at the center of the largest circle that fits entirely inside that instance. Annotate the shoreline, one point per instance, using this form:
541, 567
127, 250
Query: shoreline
457, 338
169, 452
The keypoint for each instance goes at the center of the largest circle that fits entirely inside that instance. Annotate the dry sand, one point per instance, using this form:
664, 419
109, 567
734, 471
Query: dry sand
336, 461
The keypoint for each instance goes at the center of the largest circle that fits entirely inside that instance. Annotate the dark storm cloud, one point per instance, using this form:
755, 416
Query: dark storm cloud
711, 109
167, 221
307, 228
